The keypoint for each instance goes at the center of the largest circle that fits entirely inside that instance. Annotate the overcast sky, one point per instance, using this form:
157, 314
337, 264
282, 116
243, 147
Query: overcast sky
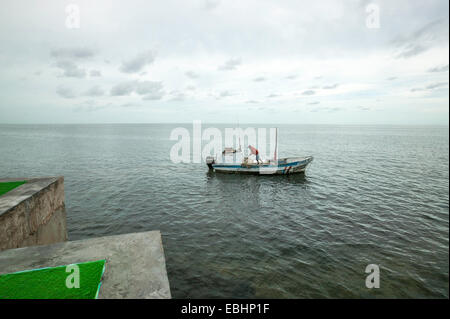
224, 61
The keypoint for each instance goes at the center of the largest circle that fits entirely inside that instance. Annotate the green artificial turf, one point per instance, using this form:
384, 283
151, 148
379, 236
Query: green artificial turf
51, 283
7, 186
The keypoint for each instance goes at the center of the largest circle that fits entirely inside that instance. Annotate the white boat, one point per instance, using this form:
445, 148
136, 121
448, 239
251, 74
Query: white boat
232, 161
288, 165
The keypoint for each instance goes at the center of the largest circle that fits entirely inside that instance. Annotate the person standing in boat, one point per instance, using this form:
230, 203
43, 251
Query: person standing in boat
255, 152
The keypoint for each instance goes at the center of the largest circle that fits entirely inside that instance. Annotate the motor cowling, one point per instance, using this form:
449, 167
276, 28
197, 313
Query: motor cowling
210, 161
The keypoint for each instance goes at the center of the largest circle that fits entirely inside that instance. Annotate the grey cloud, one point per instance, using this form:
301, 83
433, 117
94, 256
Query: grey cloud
91, 106
94, 91
130, 105
308, 92
259, 79
65, 92
78, 53
391, 78
70, 69
326, 109
328, 87
261, 108
230, 64
410, 50
178, 96
211, 4
430, 27
151, 90
123, 88
252, 102
136, 64
436, 85
430, 87
272, 95
191, 74
443, 68
95, 73
291, 77
225, 94
313, 103
430, 35
148, 87
154, 96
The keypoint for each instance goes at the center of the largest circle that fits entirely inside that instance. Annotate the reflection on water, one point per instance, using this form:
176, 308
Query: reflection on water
239, 178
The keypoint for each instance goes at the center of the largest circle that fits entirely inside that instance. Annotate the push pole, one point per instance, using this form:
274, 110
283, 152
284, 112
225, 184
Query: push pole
276, 144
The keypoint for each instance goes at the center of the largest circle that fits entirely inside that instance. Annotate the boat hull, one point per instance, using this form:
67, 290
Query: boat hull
283, 166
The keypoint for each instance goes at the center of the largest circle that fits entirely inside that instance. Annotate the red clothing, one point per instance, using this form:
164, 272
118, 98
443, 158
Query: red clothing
253, 150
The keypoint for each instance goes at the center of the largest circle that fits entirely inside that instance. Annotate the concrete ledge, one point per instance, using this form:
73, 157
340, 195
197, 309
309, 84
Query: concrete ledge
135, 263
33, 213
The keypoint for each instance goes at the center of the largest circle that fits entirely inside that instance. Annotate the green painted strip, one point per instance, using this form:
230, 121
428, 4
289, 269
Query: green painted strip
54, 282
7, 186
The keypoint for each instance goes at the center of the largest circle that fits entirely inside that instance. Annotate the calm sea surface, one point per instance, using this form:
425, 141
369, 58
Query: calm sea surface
373, 195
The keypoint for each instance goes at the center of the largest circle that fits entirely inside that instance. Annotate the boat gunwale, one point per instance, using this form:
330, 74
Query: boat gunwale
255, 167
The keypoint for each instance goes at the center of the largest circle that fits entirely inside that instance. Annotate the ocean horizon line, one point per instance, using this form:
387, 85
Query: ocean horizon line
232, 124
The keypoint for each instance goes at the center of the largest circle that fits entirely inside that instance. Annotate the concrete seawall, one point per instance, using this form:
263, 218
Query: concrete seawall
135, 263
33, 213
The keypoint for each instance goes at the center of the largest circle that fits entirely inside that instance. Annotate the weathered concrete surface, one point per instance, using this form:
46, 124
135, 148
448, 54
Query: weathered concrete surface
33, 213
135, 263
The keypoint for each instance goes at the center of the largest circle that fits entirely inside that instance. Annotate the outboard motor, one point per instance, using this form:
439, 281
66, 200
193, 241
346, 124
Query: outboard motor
210, 161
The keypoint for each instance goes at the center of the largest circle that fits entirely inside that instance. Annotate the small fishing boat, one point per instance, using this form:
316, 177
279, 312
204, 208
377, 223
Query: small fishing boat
232, 161
288, 165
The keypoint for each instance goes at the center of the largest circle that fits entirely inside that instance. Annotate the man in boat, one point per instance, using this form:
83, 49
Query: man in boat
255, 152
